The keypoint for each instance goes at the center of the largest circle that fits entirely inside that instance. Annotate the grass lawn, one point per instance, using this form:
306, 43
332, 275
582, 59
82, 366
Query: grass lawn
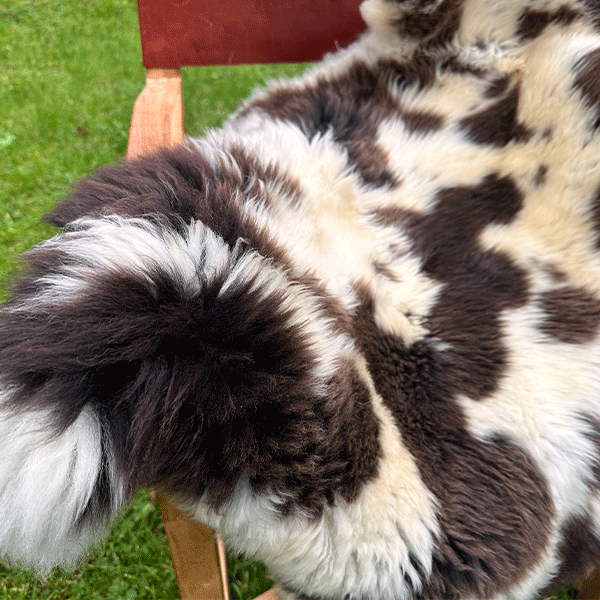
69, 75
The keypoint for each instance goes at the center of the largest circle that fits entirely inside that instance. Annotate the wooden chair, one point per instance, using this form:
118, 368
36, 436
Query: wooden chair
181, 33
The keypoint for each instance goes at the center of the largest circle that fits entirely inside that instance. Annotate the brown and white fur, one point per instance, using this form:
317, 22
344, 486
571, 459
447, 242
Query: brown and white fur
356, 330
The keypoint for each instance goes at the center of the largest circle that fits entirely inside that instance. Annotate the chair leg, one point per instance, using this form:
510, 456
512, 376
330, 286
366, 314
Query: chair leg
157, 118
198, 557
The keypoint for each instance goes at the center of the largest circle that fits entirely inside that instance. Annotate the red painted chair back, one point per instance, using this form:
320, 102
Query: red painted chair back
182, 33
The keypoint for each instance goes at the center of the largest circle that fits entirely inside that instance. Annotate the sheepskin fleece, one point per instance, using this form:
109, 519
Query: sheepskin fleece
356, 329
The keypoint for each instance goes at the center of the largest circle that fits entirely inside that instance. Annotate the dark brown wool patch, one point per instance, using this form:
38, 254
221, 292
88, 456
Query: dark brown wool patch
579, 551
255, 175
478, 284
533, 22
195, 389
587, 82
593, 9
497, 87
352, 106
495, 509
557, 275
384, 270
540, 175
434, 28
453, 64
494, 505
421, 121
179, 185
572, 315
497, 124
287, 442
331, 305
595, 216
594, 435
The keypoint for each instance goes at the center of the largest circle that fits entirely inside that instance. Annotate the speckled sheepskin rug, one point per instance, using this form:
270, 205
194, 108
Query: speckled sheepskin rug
356, 330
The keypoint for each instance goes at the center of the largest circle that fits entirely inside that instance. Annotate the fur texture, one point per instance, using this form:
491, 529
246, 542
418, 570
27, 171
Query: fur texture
357, 329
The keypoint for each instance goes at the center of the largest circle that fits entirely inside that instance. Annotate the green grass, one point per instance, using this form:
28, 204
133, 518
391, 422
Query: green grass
69, 75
